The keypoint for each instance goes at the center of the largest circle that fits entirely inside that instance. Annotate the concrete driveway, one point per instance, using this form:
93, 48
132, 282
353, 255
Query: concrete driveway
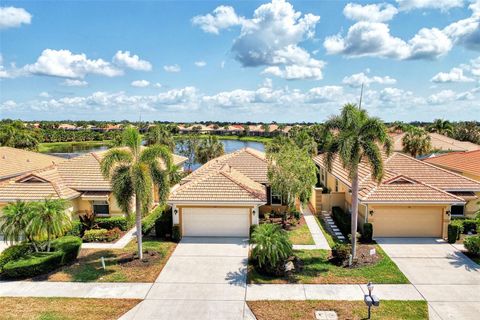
443, 275
205, 278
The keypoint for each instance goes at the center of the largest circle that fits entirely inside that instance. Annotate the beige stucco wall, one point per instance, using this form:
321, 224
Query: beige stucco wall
81, 205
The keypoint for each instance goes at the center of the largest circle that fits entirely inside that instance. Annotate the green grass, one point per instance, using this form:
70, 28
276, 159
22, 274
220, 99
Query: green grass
301, 235
318, 269
330, 239
304, 310
54, 146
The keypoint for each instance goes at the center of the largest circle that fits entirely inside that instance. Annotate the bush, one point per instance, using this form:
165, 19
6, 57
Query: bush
272, 248
252, 229
163, 225
148, 223
14, 252
69, 245
342, 220
469, 225
77, 229
296, 214
341, 253
176, 233
472, 244
33, 264
453, 232
101, 235
113, 222
367, 234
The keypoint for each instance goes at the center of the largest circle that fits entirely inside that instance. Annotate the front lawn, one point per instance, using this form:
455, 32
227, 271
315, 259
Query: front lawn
301, 234
305, 310
119, 264
318, 269
64, 308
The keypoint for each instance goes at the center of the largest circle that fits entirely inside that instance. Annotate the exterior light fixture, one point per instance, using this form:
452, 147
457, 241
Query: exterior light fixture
370, 300
175, 211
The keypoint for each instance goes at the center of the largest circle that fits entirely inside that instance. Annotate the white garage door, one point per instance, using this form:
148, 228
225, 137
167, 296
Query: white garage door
216, 222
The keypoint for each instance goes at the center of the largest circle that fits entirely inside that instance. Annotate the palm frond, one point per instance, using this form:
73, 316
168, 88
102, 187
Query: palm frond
122, 187
113, 158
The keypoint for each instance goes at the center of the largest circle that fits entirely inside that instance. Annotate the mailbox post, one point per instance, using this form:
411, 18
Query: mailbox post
371, 300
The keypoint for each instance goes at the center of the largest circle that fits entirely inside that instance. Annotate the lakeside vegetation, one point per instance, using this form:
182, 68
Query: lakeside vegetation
47, 147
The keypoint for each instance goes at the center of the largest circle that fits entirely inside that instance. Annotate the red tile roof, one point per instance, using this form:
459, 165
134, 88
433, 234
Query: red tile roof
465, 162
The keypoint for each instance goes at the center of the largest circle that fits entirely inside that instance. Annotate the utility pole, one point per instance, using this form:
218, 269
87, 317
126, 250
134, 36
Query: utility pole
361, 96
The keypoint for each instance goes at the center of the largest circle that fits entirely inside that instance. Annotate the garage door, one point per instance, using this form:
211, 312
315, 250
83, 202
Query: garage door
408, 222
216, 222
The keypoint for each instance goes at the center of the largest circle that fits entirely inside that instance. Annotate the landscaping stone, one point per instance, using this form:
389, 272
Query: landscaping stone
326, 315
289, 266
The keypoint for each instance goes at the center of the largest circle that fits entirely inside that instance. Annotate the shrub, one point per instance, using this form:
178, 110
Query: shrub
176, 233
77, 229
472, 244
252, 229
14, 252
69, 245
341, 253
148, 223
469, 225
33, 264
367, 234
296, 214
453, 231
101, 235
272, 247
163, 224
342, 220
113, 222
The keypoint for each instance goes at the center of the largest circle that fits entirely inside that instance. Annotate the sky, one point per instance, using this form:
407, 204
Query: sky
284, 61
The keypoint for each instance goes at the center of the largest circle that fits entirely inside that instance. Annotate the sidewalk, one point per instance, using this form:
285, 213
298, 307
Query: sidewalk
120, 244
317, 235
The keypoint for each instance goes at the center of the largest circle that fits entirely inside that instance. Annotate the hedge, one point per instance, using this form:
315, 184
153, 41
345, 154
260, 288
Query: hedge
148, 222
77, 229
33, 264
69, 245
342, 220
109, 223
163, 224
472, 244
101, 235
14, 252
470, 225
176, 233
367, 234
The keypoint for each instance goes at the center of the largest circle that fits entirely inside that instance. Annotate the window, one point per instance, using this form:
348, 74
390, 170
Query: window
276, 199
457, 210
336, 185
101, 207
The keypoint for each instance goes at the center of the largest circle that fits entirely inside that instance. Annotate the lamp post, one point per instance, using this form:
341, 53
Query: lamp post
371, 300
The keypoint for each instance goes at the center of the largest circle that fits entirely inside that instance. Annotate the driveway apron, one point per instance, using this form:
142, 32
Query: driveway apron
205, 278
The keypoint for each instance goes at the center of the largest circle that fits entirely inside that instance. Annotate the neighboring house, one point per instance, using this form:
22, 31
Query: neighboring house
414, 199
439, 143
466, 164
78, 180
225, 196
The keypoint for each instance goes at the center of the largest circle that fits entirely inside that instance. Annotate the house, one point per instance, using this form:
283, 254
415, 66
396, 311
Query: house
225, 196
468, 165
414, 198
67, 127
439, 142
78, 180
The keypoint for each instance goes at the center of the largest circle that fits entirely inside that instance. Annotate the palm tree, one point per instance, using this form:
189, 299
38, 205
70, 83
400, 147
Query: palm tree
208, 149
50, 220
441, 126
133, 172
15, 221
160, 134
416, 142
356, 137
16, 135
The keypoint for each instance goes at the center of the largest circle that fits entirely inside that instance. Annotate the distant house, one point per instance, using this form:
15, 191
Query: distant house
67, 127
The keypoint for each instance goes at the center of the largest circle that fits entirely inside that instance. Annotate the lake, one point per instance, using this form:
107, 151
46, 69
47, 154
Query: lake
76, 149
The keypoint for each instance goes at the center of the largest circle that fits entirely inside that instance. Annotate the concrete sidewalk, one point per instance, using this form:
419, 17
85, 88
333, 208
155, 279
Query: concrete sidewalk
317, 234
120, 244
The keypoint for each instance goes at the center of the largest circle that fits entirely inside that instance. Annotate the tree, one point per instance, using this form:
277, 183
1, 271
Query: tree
187, 146
467, 131
208, 149
355, 137
304, 140
16, 135
271, 246
291, 171
133, 172
15, 221
416, 142
160, 134
49, 220
441, 126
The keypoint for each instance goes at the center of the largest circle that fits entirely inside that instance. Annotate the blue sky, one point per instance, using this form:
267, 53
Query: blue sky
239, 60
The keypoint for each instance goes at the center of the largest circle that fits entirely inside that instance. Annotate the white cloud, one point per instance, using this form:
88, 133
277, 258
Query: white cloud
370, 12
11, 17
172, 68
127, 60
466, 32
44, 94
140, 83
356, 80
200, 64
63, 63
74, 83
325, 93
222, 17
454, 75
442, 97
271, 38
157, 85
8, 105
443, 5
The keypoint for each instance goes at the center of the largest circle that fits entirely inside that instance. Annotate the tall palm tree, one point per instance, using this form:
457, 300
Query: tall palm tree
208, 149
441, 126
356, 137
15, 220
133, 172
416, 142
160, 134
50, 220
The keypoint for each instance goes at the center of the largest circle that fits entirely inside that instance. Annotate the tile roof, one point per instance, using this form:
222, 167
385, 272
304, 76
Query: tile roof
36, 185
467, 162
225, 184
439, 142
14, 161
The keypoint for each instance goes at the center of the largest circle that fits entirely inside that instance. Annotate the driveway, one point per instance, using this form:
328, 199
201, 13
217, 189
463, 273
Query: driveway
443, 275
205, 278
